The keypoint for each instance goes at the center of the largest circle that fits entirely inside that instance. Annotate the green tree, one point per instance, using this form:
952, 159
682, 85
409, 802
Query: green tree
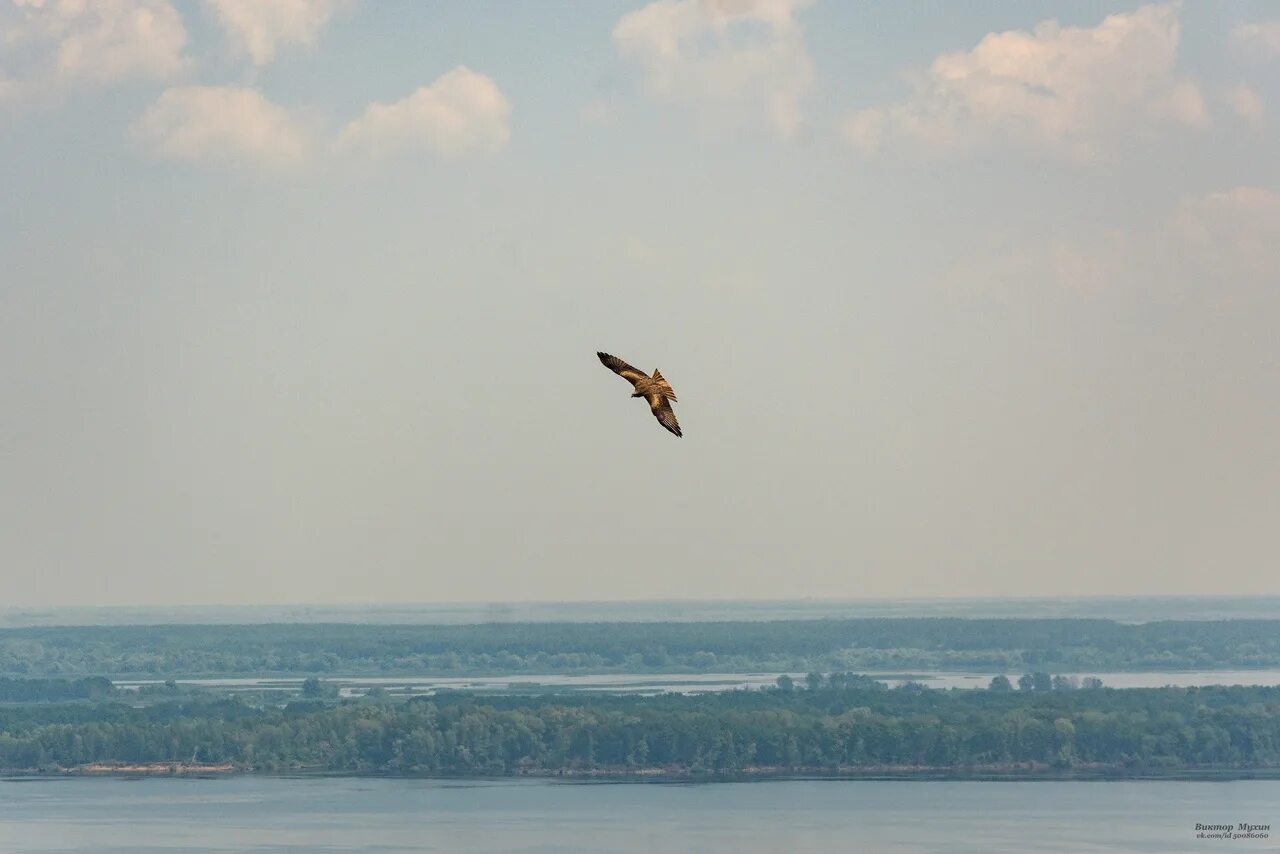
1000, 683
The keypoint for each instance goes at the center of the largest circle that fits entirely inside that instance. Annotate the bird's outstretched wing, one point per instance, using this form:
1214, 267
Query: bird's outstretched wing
664, 413
621, 368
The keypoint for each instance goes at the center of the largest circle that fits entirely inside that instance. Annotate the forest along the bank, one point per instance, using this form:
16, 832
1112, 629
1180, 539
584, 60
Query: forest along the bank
836, 724
867, 644
61, 711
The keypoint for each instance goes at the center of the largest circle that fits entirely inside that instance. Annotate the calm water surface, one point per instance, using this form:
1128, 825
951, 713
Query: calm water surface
699, 683
347, 814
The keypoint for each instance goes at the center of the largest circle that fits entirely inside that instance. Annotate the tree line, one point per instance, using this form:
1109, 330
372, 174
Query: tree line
838, 727
992, 645
36, 690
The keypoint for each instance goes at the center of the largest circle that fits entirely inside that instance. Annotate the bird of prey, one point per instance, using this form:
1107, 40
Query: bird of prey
654, 389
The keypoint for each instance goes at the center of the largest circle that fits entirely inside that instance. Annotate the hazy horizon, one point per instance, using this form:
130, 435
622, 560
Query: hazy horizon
1122, 609
965, 301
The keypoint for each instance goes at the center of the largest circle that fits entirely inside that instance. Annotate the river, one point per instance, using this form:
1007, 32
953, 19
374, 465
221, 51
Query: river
277, 814
695, 683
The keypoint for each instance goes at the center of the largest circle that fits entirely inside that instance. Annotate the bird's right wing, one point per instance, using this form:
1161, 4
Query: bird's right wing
621, 368
664, 413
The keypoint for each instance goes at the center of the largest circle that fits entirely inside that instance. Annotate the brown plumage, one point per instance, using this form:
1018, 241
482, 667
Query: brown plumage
654, 389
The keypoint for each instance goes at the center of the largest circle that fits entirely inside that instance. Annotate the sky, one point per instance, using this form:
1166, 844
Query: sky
300, 300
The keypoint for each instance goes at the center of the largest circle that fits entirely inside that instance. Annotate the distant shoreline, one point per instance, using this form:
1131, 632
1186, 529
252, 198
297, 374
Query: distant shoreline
1010, 772
895, 675
865, 645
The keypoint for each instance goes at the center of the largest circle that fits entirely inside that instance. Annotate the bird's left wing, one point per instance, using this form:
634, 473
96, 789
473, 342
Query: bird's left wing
664, 413
621, 368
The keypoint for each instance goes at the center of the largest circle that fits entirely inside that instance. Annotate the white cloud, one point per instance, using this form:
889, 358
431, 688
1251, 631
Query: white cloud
1232, 235
1263, 39
258, 28
49, 46
1246, 102
723, 51
462, 112
222, 123
1072, 89
1213, 243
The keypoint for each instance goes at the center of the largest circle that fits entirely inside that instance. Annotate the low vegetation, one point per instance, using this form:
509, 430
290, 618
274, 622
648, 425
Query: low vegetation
992, 645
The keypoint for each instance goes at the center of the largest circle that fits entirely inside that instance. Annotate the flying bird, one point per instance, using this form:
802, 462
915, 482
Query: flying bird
654, 389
